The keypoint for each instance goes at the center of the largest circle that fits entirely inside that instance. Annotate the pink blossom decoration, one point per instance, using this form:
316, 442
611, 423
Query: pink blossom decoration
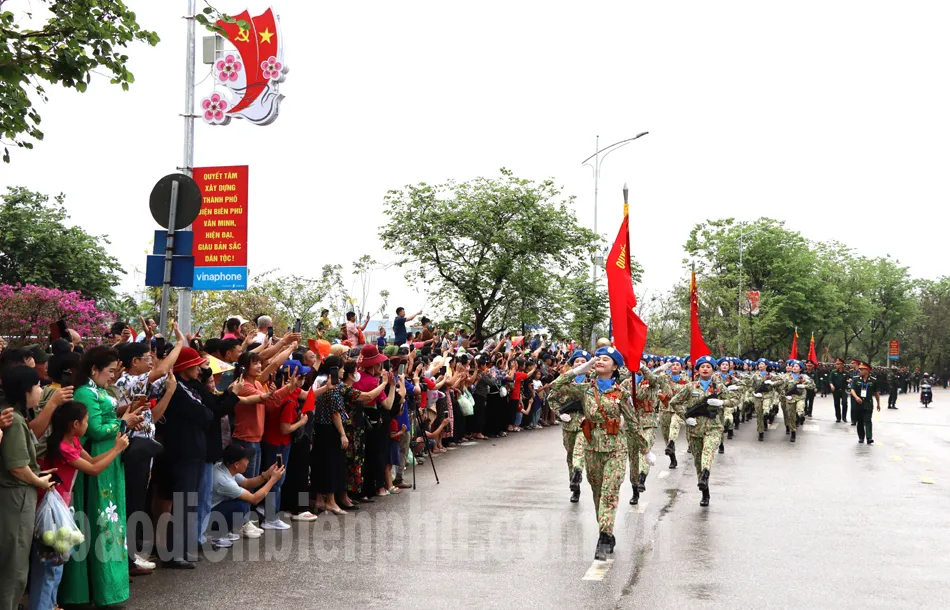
228, 69
273, 69
214, 108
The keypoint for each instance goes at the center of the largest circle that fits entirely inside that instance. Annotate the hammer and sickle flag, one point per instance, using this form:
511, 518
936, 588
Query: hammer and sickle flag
630, 332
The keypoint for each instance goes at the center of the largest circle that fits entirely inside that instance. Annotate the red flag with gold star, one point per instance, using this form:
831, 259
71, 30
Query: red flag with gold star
630, 332
697, 345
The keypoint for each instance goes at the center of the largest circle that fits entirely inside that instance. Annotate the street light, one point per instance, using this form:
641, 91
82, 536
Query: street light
598, 158
598, 161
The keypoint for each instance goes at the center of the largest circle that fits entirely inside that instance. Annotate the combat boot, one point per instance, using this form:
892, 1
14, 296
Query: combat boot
576, 482
671, 451
636, 496
792, 439
642, 485
787, 430
722, 448
603, 546
761, 436
729, 434
613, 543
704, 481
705, 500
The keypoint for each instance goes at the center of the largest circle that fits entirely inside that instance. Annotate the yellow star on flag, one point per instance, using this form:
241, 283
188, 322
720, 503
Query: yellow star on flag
266, 35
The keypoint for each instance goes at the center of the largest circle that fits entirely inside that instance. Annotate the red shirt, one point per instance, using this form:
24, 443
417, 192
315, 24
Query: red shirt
69, 452
285, 413
394, 428
516, 390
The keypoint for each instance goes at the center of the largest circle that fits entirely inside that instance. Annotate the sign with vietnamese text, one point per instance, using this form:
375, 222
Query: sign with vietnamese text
894, 350
220, 232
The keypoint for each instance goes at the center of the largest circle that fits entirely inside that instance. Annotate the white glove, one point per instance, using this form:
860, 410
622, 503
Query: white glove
690, 421
663, 368
757, 395
583, 369
565, 417
732, 388
789, 398
650, 458
800, 386
769, 382
715, 402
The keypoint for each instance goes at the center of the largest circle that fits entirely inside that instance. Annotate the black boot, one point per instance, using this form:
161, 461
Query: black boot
704, 481
787, 431
761, 436
671, 451
613, 543
576, 496
722, 448
636, 496
705, 500
729, 434
792, 439
603, 546
576, 482
642, 484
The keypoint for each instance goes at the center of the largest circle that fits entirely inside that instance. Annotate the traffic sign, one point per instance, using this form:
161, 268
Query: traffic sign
189, 201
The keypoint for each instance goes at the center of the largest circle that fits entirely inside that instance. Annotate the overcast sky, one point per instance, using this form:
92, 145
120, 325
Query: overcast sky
830, 115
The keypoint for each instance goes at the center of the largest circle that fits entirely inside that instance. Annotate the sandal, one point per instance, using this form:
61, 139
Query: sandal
394, 491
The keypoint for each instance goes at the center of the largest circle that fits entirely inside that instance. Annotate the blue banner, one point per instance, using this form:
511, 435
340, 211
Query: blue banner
220, 278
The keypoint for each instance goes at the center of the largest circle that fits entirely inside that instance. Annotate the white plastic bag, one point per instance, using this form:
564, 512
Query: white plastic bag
56, 529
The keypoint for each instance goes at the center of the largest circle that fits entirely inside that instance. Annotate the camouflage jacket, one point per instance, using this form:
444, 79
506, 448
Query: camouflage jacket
672, 388
647, 401
615, 403
692, 395
562, 395
787, 385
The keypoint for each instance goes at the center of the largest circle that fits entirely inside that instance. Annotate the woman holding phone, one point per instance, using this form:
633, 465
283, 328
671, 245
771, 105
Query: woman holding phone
20, 478
102, 575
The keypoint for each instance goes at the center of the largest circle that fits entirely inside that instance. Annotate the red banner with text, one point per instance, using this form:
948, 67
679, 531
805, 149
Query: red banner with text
220, 232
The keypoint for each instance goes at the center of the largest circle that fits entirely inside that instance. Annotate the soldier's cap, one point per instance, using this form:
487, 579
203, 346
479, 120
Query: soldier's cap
855, 361
839, 361
864, 365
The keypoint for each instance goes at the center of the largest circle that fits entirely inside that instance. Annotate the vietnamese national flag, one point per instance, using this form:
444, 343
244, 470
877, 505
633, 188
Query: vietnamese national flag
794, 353
310, 403
697, 345
812, 356
629, 331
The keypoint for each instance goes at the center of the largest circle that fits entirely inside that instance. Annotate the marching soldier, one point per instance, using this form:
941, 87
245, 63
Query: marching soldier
810, 394
730, 415
863, 386
568, 399
669, 420
894, 382
793, 387
648, 396
839, 391
605, 402
763, 394
701, 404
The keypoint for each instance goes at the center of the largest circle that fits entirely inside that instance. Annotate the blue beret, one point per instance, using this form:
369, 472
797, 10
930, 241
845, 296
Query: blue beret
613, 353
579, 354
705, 360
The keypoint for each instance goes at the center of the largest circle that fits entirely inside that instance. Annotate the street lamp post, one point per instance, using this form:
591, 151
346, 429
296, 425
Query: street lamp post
598, 160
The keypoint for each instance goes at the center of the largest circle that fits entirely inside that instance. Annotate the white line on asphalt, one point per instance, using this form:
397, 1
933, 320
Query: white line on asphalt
598, 570
663, 474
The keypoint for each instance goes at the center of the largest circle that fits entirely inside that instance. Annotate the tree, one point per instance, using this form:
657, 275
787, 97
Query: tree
36, 247
888, 292
926, 340
28, 311
489, 246
77, 38
587, 306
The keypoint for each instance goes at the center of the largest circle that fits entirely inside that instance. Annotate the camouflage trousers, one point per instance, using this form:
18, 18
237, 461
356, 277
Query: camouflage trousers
791, 411
670, 426
638, 443
574, 446
762, 406
703, 447
728, 417
605, 472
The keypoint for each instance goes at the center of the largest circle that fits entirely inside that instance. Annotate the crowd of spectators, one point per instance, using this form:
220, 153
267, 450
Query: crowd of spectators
233, 435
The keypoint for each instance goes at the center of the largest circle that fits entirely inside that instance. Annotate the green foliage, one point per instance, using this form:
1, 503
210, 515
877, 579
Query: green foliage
494, 249
209, 17
36, 247
77, 38
926, 340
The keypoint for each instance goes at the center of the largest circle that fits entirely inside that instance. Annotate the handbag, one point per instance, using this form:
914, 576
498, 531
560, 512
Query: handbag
142, 448
466, 403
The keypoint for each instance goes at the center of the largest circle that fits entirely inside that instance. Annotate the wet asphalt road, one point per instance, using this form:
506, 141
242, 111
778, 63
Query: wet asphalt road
822, 523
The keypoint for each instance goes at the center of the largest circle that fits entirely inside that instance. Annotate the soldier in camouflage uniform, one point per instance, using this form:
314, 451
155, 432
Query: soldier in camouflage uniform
669, 420
730, 415
704, 429
649, 386
792, 386
565, 399
606, 401
763, 394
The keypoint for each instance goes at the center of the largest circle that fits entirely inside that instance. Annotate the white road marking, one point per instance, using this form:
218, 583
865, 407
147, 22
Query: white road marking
926, 480
897, 458
663, 474
598, 570
810, 427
